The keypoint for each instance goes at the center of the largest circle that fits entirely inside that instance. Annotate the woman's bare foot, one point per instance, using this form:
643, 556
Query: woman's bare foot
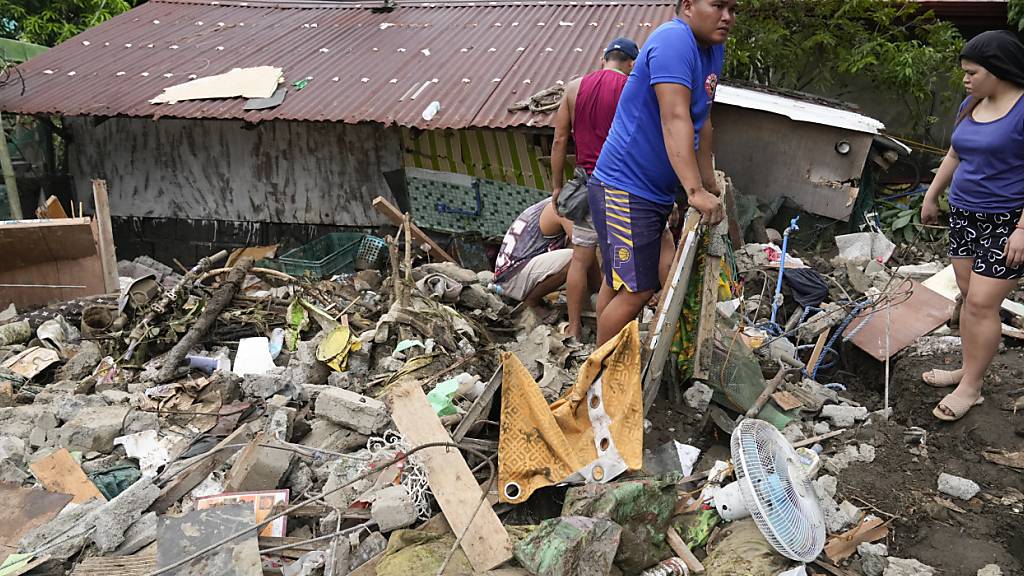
942, 378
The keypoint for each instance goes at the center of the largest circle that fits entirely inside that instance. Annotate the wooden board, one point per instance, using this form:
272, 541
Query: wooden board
28, 242
486, 543
51, 209
24, 510
708, 314
138, 565
105, 236
392, 213
659, 339
924, 311
59, 473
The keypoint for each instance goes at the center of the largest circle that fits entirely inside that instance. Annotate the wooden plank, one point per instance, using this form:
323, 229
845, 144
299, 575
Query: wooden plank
486, 543
392, 213
138, 565
51, 210
78, 272
816, 353
24, 510
59, 472
659, 339
479, 405
708, 313
683, 551
179, 487
787, 401
105, 236
911, 318
33, 241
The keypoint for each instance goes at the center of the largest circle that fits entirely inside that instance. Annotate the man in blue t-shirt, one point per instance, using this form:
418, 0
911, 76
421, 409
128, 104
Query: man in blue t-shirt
660, 138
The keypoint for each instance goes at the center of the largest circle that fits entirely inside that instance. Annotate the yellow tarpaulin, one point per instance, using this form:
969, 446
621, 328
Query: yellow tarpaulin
592, 434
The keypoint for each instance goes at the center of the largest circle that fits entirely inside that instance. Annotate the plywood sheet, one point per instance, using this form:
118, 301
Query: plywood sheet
116, 566
924, 311
59, 473
23, 510
28, 242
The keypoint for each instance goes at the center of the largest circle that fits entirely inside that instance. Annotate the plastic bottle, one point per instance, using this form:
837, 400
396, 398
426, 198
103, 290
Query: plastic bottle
674, 566
496, 288
276, 342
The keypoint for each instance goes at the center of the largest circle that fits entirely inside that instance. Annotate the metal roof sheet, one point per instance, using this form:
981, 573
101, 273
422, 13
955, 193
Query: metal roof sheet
364, 65
475, 58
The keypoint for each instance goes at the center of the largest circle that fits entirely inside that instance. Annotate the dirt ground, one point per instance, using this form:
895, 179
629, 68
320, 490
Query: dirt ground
902, 484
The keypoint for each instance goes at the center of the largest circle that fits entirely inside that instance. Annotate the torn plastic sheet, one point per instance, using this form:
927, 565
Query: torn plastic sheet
148, 448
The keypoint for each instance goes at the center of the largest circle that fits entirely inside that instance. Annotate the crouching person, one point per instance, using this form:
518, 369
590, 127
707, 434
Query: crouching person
533, 260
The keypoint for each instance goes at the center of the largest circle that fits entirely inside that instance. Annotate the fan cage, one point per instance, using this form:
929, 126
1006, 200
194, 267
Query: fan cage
793, 524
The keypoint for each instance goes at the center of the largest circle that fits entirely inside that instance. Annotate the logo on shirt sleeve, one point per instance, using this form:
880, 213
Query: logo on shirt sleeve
711, 85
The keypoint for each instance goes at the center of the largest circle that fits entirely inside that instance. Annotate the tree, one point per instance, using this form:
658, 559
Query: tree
828, 46
50, 22
1015, 11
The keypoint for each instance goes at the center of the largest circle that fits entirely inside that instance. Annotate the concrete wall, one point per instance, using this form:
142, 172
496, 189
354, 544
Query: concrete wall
769, 155
275, 172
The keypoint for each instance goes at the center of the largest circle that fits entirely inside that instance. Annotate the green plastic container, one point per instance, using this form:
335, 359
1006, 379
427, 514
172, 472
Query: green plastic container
326, 256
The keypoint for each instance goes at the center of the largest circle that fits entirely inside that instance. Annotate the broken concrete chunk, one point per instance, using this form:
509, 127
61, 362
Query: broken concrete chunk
82, 363
67, 406
326, 435
958, 487
844, 416
862, 453
354, 411
821, 428
116, 397
93, 429
793, 432
11, 473
140, 534
393, 508
698, 396
369, 548
570, 546
304, 366
907, 567
873, 558
990, 570
266, 384
70, 529
12, 448
19, 421
259, 466
114, 518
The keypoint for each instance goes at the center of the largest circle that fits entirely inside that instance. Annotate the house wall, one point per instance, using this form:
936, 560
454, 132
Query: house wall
769, 155
274, 172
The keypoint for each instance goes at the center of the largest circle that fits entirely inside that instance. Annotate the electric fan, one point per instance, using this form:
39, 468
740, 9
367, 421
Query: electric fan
773, 485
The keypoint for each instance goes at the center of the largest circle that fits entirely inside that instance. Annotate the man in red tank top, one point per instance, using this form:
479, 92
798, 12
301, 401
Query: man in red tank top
586, 112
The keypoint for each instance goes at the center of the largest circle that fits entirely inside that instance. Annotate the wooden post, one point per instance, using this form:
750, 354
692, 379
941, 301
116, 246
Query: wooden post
9, 180
704, 344
392, 213
108, 256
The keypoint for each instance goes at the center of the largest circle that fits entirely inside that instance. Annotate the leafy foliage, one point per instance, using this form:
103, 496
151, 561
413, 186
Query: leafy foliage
50, 22
827, 46
1015, 14
901, 220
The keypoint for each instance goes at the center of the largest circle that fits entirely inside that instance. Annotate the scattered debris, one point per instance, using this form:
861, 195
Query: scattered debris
958, 487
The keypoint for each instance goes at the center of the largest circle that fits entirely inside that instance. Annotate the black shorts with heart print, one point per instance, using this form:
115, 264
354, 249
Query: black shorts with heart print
983, 237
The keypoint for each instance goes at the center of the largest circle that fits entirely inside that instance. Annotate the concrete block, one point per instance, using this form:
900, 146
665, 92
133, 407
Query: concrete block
354, 411
19, 421
82, 363
258, 466
114, 518
326, 435
991, 570
93, 429
844, 416
821, 428
907, 567
793, 432
116, 396
305, 367
958, 487
370, 547
138, 421
393, 508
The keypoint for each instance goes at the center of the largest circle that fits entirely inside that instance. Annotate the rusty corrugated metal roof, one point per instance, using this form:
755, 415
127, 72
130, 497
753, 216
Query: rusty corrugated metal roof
475, 58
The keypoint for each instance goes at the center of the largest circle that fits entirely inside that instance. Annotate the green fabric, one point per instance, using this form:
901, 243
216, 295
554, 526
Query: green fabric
570, 546
695, 528
642, 507
115, 480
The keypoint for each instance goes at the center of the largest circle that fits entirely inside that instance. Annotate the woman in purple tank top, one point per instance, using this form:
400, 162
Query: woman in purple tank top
984, 170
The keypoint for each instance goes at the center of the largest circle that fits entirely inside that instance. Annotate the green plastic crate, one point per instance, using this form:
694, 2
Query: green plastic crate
326, 256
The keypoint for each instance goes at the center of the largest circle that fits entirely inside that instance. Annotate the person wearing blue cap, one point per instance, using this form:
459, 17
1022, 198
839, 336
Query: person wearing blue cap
660, 138
586, 114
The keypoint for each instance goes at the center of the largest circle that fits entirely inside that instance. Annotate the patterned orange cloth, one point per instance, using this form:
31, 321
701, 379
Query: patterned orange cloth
542, 445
